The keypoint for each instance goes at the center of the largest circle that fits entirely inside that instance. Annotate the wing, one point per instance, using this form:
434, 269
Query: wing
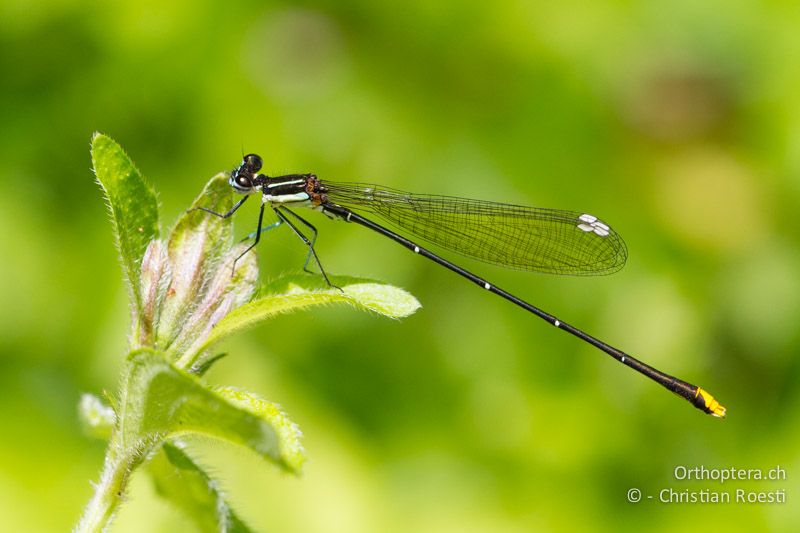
512, 236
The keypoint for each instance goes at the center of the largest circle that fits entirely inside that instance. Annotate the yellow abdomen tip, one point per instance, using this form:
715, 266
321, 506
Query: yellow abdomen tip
712, 406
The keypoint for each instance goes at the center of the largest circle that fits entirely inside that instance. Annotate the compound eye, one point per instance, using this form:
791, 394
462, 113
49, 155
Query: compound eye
252, 162
243, 181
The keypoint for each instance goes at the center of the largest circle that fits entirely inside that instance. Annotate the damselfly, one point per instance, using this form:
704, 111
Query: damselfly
513, 236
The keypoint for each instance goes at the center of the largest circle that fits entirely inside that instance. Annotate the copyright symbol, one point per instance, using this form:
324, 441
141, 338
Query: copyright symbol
634, 495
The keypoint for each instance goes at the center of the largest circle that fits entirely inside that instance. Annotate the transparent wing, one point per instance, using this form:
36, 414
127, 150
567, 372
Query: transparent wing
512, 236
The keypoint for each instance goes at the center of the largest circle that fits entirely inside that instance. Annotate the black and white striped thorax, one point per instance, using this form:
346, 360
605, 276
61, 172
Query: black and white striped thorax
298, 190
293, 189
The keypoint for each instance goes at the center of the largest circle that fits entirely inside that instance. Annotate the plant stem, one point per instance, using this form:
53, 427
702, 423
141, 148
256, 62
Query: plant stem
109, 491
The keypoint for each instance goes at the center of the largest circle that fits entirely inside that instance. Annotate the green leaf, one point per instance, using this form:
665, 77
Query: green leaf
179, 480
156, 276
299, 291
203, 367
289, 434
162, 402
96, 416
133, 206
197, 254
221, 295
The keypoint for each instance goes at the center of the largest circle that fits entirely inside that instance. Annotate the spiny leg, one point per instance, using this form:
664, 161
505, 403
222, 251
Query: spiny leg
307, 224
308, 243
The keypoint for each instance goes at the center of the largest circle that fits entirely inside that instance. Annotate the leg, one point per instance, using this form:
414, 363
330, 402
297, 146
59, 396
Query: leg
264, 230
232, 210
308, 243
307, 224
258, 237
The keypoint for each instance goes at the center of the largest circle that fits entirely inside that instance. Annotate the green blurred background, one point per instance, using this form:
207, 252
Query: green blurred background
676, 121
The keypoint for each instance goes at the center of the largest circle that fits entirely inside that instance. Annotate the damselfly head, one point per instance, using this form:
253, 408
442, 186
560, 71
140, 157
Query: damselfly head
243, 177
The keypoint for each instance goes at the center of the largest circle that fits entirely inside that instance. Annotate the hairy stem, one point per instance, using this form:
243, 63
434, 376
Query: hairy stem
110, 490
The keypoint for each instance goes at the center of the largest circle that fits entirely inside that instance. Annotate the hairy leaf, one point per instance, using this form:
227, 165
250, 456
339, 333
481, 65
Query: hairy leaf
198, 251
297, 292
133, 206
162, 402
